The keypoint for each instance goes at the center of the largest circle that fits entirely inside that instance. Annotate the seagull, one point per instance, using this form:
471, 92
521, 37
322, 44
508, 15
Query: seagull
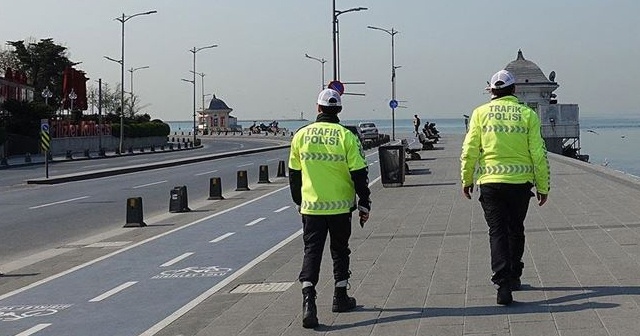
592, 131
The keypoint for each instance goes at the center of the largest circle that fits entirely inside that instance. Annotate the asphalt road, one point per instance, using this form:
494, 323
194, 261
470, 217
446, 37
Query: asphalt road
132, 290
14, 177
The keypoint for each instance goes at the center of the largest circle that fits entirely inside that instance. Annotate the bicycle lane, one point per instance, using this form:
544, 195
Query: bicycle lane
133, 289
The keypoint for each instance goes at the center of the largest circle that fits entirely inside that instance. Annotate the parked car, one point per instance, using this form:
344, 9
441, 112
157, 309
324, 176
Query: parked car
356, 130
369, 130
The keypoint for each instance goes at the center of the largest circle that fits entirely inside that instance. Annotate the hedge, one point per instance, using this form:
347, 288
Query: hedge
141, 130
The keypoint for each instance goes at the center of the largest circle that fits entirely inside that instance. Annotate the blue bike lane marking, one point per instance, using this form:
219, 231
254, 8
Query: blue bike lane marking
150, 296
152, 293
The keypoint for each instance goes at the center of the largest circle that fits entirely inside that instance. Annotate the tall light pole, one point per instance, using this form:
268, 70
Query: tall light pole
132, 70
122, 20
322, 61
393, 33
201, 74
336, 13
194, 51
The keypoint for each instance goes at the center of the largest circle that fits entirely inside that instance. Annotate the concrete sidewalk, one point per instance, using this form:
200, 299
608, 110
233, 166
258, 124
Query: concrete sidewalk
421, 264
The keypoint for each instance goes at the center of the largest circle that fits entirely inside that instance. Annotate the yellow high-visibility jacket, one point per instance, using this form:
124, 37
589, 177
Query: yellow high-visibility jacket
326, 153
504, 145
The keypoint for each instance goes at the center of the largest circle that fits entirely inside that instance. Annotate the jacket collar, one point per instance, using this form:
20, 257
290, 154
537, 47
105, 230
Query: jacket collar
326, 117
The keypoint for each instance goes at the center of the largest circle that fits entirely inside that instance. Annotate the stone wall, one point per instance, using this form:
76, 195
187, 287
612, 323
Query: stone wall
60, 146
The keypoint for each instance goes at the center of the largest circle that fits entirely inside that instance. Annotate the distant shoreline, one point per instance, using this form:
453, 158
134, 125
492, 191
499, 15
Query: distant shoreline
270, 120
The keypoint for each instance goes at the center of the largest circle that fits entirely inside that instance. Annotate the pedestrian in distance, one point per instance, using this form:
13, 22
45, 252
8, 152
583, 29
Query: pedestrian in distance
504, 148
416, 124
320, 152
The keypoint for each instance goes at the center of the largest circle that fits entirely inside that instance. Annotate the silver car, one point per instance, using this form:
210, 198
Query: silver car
369, 130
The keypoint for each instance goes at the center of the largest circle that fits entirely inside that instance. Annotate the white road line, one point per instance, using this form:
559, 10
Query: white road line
59, 202
95, 165
205, 173
176, 315
226, 235
272, 160
282, 209
176, 259
195, 302
254, 222
34, 329
113, 291
246, 164
150, 239
150, 184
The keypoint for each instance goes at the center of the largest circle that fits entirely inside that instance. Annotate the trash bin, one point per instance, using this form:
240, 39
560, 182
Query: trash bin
392, 165
178, 201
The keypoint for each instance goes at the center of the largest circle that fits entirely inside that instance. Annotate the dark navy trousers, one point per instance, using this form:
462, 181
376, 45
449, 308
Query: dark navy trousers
315, 229
505, 209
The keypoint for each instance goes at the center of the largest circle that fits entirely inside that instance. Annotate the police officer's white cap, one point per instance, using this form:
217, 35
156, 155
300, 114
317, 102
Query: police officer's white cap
329, 97
501, 79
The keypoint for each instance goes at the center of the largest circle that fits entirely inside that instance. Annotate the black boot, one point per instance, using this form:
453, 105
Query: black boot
504, 296
309, 309
341, 301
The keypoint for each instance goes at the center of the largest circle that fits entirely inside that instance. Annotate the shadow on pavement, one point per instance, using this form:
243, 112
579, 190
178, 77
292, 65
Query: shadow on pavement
554, 305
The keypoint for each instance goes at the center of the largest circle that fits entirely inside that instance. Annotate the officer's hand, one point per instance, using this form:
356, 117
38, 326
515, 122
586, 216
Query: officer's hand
467, 191
542, 198
364, 215
298, 208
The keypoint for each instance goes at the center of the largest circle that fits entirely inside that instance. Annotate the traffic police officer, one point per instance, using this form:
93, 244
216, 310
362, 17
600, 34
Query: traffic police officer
327, 168
505, 149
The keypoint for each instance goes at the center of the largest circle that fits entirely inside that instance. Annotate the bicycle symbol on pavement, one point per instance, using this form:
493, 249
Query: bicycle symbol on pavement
15, 313
193, 272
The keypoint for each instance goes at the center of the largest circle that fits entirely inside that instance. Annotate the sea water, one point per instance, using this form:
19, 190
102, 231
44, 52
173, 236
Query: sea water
608, 141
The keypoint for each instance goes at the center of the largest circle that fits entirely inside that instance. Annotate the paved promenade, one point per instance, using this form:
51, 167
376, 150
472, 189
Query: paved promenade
421, 264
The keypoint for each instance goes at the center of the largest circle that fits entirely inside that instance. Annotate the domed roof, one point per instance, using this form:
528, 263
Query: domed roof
217, 104
526, 71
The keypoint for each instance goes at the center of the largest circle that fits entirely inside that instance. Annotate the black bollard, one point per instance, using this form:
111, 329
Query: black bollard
215, 188
3, 161
86, 153
27, 157
178, 201
263, 177
243, 183
281, 169
130, 150
134, 212
101, 152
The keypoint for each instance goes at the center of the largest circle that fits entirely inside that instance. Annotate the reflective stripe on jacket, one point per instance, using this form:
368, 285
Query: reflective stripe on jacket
504, 145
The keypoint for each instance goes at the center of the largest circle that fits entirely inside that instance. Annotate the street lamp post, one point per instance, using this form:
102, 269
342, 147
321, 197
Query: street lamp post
122, 20
322, 61
393, 33
201, 74
194, 51
132, 70
336, 13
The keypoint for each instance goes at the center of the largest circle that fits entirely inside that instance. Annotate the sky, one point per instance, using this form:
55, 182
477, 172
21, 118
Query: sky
446, 51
